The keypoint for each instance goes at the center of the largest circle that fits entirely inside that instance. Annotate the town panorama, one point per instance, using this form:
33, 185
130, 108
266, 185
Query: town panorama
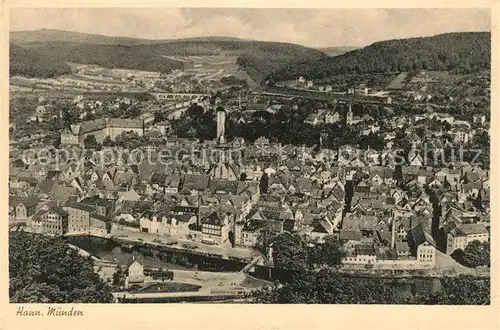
217, 169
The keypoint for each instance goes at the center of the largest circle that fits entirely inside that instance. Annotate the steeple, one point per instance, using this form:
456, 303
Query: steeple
221, 125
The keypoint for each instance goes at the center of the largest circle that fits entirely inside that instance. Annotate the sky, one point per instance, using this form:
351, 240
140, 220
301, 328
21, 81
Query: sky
308, 27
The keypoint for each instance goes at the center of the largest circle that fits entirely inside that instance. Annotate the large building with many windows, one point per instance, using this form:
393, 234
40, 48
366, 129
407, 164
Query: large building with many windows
100, 128
54, 221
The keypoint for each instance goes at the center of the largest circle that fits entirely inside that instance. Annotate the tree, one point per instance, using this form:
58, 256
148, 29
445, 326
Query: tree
57, 141
289, 252
46, 270
195, 111
327, 286
108, 142
458, 256
477, 254
161, 274
264, 183
461, 290
118, 276
328, 253
90, 142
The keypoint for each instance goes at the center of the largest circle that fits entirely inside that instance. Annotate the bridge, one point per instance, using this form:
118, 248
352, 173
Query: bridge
177, 96
16, 225
252, 263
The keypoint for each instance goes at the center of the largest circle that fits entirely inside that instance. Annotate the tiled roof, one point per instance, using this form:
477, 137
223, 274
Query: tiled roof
473, 228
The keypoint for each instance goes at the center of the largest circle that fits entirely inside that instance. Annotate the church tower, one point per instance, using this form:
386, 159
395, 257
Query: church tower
221, 124
349, 115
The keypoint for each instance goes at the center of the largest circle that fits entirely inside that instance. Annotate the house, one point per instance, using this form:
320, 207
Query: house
350, 237
194, 182
225, 170
460, 135
151, 222
479, 118
332, 118
75, 134
130, 195
135, 273
361, 90
320, 229
460, 236
215, 228
170, 224
125, 217
171, 184
402, 249
415, 159
117, 126
422, 245
53, 221
178, 224
249, 233
78, 217
313, 119
103, 206
25, 209
99, 224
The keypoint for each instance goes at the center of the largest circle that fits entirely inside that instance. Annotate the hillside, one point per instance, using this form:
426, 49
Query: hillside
47, 35
336, 51
109, 56
257, 58
459, 52
32, 64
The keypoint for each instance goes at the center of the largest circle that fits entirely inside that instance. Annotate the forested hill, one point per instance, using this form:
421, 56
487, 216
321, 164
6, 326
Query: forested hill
460, 52
109, 56
257, 58
32, 64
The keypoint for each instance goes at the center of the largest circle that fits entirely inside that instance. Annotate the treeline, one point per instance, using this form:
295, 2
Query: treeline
287, 126
109, 56
266, 58
31, 64
459, 52
327, 286
258, 58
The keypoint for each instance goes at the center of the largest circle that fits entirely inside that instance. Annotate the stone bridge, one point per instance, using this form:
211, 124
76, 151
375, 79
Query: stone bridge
177, 96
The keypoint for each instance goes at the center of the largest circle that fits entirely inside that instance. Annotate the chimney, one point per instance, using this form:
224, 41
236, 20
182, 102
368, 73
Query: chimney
198, 218
393, 233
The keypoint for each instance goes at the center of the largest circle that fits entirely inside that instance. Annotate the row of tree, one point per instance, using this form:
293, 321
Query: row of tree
327, 286
475, 254
290, 252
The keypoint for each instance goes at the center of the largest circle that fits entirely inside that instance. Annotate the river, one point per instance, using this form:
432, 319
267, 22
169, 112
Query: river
184, 260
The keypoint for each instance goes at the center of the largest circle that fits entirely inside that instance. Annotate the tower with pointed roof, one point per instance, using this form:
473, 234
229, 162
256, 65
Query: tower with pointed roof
221, 125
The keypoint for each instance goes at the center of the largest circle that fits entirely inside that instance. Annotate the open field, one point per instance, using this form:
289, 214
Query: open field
95, 70
208, 67
92, 79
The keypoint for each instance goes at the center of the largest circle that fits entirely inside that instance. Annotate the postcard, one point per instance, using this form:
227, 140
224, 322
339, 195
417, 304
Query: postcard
311, 166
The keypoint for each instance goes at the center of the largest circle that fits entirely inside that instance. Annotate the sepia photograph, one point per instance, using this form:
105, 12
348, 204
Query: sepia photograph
248, 156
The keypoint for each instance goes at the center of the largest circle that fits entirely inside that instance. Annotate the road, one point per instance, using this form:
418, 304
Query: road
226, 251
